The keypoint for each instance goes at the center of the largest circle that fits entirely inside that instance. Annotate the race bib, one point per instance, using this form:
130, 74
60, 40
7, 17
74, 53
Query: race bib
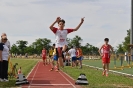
62, 40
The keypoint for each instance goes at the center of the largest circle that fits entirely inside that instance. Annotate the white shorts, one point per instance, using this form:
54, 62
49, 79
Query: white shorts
60, 44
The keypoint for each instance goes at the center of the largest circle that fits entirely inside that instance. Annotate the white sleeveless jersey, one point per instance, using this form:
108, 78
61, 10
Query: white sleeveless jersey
61, 36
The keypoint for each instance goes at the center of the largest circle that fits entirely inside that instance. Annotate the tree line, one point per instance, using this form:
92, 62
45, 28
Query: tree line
36, 47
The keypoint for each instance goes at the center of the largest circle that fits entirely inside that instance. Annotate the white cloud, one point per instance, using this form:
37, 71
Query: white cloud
30, 19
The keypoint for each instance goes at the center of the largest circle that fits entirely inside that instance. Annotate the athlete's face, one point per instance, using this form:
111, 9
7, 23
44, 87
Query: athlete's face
106, 42
61, 25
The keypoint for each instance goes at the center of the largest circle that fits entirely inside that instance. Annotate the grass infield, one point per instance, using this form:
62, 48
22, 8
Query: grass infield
26, 66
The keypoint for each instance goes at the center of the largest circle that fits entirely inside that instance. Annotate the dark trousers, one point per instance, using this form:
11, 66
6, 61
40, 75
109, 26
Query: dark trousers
4, 69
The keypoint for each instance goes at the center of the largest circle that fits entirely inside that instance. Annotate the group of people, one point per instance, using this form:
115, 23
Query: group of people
4, 57
74, 55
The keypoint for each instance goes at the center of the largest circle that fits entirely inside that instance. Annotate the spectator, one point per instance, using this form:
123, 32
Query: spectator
4, 53
7, 42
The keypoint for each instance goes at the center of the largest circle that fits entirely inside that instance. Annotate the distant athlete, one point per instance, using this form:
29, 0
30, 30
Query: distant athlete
105, 54
44, 56
61, 35
50, 54
79, 56
72, 52
54, 59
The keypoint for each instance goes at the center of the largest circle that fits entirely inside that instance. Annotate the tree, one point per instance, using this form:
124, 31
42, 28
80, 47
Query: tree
76, 41
22, 45
121, 48
127, 41
39, 44
14, 49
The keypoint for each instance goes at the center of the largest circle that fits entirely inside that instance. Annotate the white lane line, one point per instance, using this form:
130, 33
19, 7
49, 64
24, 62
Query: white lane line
34, 74
110, 70
32, 70
68, 75
51, 84
67, 80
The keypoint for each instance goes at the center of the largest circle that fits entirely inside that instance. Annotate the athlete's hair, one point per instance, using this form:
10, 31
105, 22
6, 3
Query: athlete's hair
71, 46
63, 21
106, 39
53, 44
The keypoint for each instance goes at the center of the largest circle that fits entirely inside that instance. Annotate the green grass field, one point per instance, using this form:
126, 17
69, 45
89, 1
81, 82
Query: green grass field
25, 64
98, 63
96, 80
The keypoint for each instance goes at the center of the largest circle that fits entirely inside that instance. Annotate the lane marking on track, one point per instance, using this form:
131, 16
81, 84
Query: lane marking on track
110, 70
31, 70
34, 74
51, 84
67, 75
67, 80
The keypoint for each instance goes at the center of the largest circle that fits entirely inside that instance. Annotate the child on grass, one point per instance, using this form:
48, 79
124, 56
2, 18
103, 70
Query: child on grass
105, 54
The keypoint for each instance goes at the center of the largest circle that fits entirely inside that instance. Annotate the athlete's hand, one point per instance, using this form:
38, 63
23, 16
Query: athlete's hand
82, 19
58, 19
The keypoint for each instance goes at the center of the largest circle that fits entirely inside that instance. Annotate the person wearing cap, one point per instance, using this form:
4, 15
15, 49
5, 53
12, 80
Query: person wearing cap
7, 42
4, 54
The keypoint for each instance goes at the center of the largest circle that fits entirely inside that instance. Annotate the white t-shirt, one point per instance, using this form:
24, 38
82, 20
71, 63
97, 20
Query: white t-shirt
7, 44
72, 52
5, 53
61, 36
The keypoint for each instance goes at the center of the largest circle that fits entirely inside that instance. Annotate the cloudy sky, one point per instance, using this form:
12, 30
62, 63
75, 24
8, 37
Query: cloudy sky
30, 19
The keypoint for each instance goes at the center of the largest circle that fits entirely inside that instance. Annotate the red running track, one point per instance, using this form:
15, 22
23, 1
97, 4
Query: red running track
41, 77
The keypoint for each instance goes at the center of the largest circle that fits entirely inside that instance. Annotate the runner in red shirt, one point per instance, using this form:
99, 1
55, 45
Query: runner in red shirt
105, 55
44, 56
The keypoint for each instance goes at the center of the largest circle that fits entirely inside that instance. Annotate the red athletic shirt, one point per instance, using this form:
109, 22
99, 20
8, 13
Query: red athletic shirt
106, 51
43, 53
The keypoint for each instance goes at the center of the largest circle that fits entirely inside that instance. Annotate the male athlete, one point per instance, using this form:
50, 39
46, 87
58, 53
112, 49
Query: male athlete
50, 54
44, 56
79, 56
61, 35
105, 55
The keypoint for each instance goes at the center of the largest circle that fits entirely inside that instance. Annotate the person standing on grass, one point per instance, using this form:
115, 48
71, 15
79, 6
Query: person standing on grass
54, 59
50, 54
72, 52
4, 54
44, 56
61, 35
7, 42
79, 56
105, 54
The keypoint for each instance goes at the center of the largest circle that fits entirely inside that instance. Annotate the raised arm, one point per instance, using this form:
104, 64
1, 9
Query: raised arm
82, 20
52, 25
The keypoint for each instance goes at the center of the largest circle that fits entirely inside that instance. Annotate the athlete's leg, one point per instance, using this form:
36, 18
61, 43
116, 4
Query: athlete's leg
107, 69
57, 64
52, 65
60, 56
80, 62
104, 68
64, 48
